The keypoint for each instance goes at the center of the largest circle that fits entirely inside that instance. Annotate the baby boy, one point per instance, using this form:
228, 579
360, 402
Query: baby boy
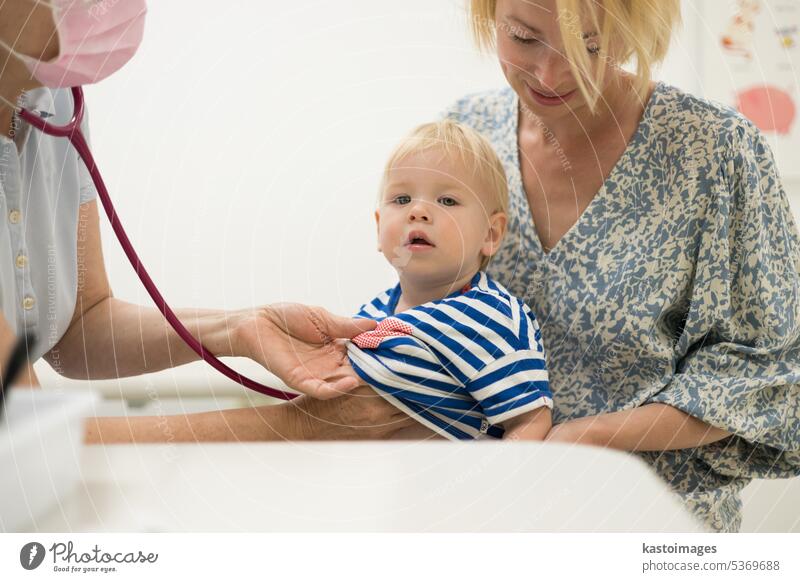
453, 349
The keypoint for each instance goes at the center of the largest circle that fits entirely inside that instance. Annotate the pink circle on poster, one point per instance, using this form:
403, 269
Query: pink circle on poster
770, 108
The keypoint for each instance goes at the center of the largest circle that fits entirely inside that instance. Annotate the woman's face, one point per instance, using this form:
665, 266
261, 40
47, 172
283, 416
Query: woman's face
531, 53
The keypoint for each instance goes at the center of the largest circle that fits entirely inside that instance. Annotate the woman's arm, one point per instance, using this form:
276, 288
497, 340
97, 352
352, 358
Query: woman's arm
109, 338
265, 423
652, 427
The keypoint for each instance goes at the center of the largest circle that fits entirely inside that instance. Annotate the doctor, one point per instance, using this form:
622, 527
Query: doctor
53, 281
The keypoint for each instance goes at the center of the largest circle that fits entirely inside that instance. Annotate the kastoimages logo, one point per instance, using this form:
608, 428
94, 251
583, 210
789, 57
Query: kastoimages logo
31, 555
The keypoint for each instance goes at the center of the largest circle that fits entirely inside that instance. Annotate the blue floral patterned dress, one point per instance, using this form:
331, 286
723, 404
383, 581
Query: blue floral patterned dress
678, 284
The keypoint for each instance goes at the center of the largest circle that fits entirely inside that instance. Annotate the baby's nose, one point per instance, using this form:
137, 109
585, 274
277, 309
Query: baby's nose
419, 213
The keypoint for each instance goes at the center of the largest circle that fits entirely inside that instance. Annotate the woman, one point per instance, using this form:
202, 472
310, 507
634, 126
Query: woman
53, 282
650, 234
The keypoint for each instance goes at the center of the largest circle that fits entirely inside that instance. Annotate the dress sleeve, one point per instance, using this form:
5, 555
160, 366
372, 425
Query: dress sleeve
738, 365
453, 111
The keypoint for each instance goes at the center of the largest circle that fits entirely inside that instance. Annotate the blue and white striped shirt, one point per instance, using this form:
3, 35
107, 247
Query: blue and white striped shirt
460, 365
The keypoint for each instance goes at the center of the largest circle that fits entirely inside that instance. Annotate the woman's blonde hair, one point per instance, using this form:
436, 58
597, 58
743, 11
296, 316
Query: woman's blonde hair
627, 29
461, 142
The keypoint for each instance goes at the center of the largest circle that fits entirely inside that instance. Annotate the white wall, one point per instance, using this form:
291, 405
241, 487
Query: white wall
245, 157
243, 144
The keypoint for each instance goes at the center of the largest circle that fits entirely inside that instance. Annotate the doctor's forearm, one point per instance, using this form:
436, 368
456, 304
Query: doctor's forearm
116, 339
264, 423
360, 415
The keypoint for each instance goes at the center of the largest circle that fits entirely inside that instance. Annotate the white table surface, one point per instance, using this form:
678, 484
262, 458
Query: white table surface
399, 486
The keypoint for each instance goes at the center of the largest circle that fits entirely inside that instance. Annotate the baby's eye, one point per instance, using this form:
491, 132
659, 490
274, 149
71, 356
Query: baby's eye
448, 201
402, 199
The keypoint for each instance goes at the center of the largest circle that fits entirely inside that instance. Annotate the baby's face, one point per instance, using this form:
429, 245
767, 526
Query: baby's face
437, 219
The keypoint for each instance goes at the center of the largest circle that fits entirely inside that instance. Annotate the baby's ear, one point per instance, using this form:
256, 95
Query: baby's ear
497, 230
378, 227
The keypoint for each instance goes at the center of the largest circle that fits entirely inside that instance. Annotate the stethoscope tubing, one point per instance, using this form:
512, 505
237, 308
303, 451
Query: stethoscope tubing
72, 131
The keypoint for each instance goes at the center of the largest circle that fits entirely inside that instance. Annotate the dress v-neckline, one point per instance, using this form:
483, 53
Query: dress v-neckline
528, 224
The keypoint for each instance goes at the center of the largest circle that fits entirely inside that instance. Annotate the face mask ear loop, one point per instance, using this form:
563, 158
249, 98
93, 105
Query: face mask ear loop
47, 3
7, 47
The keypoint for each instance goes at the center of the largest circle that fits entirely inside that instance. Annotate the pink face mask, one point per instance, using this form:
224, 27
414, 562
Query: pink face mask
96, 38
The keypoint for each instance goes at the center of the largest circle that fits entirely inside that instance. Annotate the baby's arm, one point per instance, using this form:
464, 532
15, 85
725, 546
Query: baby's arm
529, 426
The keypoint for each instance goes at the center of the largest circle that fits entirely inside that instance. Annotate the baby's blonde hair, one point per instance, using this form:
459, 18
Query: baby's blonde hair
463, 142
641, 29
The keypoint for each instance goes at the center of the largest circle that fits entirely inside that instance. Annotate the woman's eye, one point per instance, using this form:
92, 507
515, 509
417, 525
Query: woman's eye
524, 39
447, 201
402, 199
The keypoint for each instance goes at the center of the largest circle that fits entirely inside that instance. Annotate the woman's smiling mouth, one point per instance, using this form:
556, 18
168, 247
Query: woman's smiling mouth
549, 99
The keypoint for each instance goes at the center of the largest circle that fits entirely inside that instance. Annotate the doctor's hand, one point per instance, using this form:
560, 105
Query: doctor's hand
360, 415
302, 345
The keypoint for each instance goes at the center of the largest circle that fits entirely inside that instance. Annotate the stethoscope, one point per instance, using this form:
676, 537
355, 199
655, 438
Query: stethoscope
72, 131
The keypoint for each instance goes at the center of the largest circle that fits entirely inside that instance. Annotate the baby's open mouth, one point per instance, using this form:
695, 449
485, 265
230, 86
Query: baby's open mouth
418, 238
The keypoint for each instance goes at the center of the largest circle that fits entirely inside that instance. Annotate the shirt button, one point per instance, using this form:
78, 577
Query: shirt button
22, 261
14, 216
28, 303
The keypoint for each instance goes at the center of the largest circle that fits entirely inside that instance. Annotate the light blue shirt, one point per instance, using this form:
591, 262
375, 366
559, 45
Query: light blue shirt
43, 182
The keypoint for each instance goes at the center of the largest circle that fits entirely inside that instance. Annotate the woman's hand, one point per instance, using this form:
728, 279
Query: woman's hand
301, 345
361, 414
